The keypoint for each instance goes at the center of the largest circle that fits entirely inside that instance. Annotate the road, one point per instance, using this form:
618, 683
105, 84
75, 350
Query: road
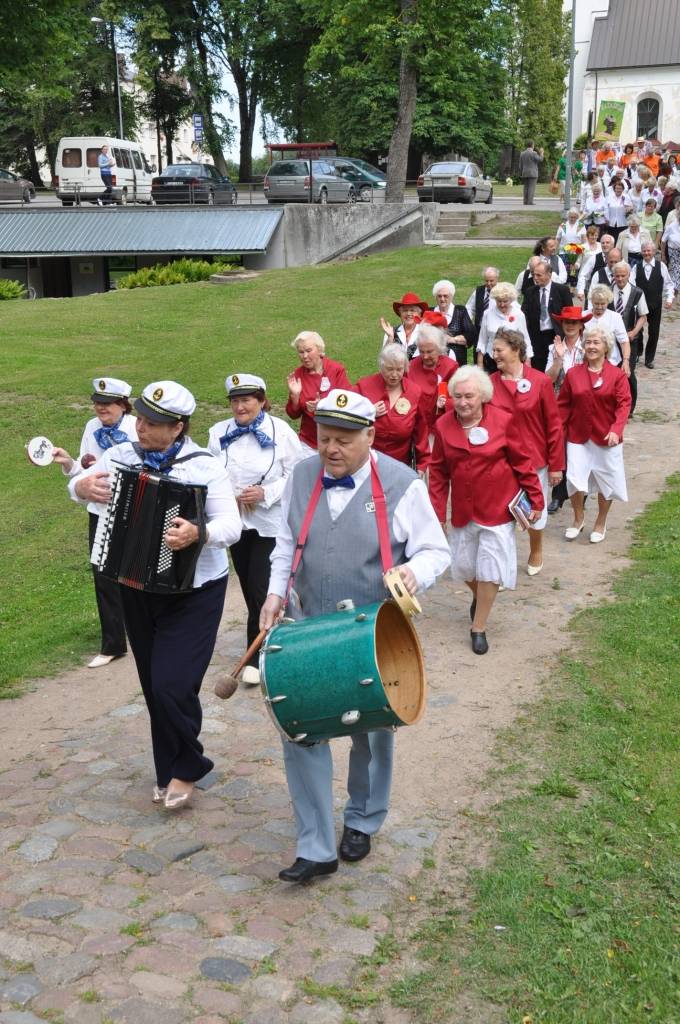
256, 198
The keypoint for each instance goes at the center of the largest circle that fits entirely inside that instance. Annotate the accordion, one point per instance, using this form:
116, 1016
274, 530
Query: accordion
129, 544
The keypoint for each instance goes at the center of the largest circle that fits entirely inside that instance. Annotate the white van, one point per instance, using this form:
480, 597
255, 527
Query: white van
77, 177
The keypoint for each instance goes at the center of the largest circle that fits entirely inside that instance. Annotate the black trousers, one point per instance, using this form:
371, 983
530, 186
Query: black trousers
489, 364
653, 327
172, 637
109, 605
250, 556
459, 353
632, 380
541, 342
107, 181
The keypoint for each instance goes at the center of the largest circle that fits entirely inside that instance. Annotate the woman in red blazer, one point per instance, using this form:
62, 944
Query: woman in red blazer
594, 403
400, 426
430, 370
479, 457
312, 380
528, 395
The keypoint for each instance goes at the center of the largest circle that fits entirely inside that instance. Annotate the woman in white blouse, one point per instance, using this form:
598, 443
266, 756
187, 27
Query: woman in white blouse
670, 251
618, 208
598, 301
631, 240
259, 452
505, 313
595, 208
571, 231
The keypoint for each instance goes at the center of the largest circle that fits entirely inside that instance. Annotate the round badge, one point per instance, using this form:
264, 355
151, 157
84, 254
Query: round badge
402, 405
478, 435
40, 451
341, 401
235, 380
157, 395
598, 383
523, 386
102, 385
325, 384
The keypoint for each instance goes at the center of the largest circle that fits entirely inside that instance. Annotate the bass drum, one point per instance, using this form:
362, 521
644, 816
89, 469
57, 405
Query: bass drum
350, 671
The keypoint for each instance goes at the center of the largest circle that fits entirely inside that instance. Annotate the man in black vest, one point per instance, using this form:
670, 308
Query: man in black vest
652, 278
630, 302
540, 302
525, 278
478, 303
592, 265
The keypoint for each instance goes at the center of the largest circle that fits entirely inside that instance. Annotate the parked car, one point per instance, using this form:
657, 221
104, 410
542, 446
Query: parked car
76, 171
458, 181
193, 183
12, 186
290, 181
364, 176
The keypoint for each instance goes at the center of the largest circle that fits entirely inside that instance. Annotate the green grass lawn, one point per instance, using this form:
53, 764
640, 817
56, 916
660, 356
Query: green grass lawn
523, 224
585, 872
196, 334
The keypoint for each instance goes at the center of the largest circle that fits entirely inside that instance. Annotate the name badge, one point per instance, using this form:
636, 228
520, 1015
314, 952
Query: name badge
325, 384
523, 386
478, 435
402, 405
370, 506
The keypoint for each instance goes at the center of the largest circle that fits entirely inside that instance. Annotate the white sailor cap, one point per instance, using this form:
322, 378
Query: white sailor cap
243, 384
165, 401
109, 389
345, 409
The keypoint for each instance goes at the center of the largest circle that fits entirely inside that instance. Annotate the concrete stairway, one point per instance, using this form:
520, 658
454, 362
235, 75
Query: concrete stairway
452, 225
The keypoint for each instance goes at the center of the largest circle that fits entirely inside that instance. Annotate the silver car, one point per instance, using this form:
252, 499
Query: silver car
12, 186
293, 181
458, 181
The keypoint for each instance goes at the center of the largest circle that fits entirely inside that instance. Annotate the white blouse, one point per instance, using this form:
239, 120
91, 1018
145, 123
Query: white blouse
493, 320
247, 463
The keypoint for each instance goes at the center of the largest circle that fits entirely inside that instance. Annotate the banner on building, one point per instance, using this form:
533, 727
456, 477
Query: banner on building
609, 121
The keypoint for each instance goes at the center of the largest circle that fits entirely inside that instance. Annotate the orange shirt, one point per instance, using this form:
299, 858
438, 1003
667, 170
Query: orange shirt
625, 159
603, 155
653, 161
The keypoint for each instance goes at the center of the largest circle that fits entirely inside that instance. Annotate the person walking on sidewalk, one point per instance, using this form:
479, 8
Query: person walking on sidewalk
529, 159
105, 162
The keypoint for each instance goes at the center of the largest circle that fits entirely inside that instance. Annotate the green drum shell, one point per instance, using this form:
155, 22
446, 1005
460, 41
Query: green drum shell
327, 666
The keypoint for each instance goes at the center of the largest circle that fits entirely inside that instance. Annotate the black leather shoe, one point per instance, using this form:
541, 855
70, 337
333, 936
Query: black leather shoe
650, 366
354, 845
554, 506
302, 870
479, 644
473, 609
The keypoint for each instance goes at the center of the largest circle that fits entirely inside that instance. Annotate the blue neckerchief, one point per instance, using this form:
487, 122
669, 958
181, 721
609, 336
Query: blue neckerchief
106, 437
264, 440
161, 462
342, 481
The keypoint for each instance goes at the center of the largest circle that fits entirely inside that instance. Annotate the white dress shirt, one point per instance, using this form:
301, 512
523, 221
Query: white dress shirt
89, 446
618, 208
248, 463
493, 320
414, 523
224, 521
611, 321
642, 309
652, 193
544, 320
470, 304
646, 268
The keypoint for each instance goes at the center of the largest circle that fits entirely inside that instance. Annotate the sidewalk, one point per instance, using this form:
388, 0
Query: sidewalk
113, 911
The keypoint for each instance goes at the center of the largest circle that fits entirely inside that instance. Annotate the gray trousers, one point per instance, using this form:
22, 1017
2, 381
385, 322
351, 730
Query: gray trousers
309, 771
529, 190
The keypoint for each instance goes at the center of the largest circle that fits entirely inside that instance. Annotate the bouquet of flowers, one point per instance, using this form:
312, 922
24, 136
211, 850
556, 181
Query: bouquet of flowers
572, 253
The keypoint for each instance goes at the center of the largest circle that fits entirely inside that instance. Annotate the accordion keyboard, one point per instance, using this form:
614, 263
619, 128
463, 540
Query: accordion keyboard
165, 555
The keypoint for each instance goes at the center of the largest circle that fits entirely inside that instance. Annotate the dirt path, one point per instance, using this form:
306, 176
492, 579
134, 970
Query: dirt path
183, 919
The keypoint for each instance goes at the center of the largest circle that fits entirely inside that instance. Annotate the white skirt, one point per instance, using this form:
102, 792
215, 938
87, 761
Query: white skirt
592, 468
542, 475
487, 554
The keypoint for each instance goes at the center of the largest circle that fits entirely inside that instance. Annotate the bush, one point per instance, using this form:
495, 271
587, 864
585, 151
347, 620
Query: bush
11, 289
182, 271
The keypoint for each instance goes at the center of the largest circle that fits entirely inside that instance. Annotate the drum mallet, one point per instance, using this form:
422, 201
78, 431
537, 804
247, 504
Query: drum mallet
226, 685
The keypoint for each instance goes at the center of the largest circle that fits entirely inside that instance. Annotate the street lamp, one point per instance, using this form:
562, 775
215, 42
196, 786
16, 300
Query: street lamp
100, 21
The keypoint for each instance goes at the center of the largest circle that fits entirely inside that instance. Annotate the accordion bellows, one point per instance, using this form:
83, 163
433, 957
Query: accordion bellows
129, 544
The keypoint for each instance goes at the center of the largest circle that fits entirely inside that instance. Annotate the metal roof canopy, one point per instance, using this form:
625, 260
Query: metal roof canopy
121, 231
636, 35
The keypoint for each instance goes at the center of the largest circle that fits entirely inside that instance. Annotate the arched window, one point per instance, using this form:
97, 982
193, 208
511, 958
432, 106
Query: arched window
648, 119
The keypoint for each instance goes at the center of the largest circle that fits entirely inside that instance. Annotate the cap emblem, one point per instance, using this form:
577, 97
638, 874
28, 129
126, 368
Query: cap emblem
157, 395
235, 380
102, 385
341, 400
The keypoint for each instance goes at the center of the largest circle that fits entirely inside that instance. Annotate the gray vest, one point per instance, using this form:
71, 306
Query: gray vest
341, 559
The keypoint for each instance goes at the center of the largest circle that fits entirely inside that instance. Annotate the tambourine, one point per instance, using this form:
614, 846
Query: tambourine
408, 604
40, 451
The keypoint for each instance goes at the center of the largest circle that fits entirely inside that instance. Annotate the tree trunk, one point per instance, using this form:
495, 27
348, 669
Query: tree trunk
203, 101
397, 157
247, 108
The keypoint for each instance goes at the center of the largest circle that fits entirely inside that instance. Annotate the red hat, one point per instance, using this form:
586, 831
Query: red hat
573, 313
435, 318
409, 299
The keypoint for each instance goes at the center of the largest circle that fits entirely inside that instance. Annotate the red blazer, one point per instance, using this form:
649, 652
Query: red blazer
396, 432
483, 478
428, 381
588, 413
333, 375
537, 417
